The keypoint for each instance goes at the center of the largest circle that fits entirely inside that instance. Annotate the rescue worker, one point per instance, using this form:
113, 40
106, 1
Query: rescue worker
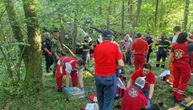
86, 48
134, 98
57, 51
163, 45
70, 66
181, 66
46, 44
126, 44
150, 42
146, 72
139, 48
176, 31
105, 57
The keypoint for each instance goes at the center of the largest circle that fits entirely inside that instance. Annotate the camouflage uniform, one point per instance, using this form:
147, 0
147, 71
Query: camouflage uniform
56, 50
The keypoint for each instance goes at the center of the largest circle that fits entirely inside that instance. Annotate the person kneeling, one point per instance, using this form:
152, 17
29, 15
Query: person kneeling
133, 98
71, 67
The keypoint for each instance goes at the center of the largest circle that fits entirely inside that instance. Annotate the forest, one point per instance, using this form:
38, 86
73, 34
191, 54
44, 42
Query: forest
24, 83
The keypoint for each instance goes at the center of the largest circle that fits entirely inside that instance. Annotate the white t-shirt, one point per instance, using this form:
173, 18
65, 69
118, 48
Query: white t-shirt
174, 39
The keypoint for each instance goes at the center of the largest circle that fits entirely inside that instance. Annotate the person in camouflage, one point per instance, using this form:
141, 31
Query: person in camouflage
57, 51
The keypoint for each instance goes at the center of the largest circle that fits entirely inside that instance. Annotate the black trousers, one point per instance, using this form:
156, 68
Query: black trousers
49, 62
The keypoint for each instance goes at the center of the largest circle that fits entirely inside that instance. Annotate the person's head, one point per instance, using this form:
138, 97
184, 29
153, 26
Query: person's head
47, 35
182, 37
146, 69
138, 35
127, 36
56, 34
86, 38
146, 34
140, 82
163, 35
107, 35
80, 64
176, 30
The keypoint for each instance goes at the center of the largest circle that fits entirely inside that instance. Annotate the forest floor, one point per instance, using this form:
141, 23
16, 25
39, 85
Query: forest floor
49, 99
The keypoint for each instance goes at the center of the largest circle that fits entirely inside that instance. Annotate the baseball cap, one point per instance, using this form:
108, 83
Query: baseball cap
107, 33
140, 81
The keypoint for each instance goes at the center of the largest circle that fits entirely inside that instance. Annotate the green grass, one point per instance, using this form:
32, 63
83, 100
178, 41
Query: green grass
49, 99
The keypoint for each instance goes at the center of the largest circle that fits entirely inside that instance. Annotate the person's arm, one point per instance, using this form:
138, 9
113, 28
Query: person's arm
120, 63
68, 70
47, 51
151, 90
189, 39
130, 82
171, 57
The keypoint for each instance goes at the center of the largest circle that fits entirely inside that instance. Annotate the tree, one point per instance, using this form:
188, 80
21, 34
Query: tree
130, 9
32, 53
100, 7
186, 12
138, 12
33, 57
122, 18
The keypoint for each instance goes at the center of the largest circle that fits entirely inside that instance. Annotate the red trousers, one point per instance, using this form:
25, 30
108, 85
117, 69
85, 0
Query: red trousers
181, 78
59, 76
139, 60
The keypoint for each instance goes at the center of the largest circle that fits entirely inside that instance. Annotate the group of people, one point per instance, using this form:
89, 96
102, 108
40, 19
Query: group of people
107, 59
69, 66
140, 87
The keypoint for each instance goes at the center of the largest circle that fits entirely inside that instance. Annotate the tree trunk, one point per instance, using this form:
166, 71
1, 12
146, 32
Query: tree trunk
138, 12
100, 7
109, 14
156, 13
74, 36
161, 14
32, 58
122, 17
186, 12
16, 31
130, 11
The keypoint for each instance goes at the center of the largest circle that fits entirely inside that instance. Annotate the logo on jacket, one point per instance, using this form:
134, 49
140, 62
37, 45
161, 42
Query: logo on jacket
133, 92
179, 53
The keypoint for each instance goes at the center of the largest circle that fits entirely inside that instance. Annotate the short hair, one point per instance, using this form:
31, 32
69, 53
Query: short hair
138, 35
182, 37
81, 62
177, 29
147, 66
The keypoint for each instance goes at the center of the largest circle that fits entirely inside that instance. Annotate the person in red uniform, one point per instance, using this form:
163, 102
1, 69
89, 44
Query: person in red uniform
181, 66
149, 79
106, 58
139, 48
69, 66
133, 98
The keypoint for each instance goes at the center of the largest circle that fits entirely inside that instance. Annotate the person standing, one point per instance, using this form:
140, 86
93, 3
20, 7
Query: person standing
86, 49
47, 51
126, 45
139, 48
106, 56
181, 66
146, 72
57, 51
150, 41
162, 45
176, 31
